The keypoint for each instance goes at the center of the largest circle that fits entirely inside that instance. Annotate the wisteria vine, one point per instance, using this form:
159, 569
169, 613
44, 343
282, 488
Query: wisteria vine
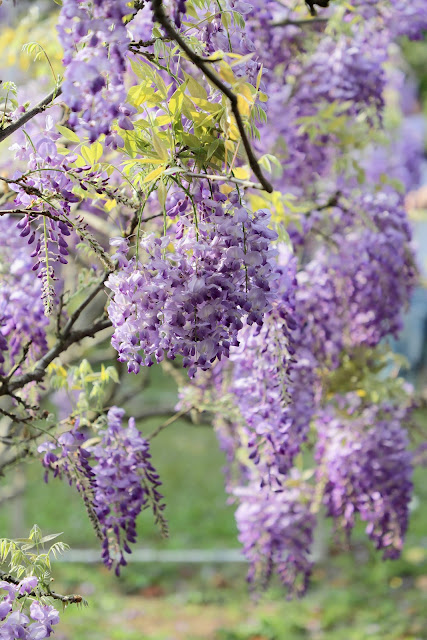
206, 189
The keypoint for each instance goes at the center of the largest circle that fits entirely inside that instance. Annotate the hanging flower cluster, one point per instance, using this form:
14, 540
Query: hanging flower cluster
192, 301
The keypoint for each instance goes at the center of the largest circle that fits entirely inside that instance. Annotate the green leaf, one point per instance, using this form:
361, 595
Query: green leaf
154, 174
52, 536
67, 133
112, 373
160, 147
195, 89
93, 153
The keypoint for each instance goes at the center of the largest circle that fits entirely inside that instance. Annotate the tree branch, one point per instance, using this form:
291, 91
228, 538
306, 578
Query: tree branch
218, 178
25, 212
5, 133
65, 341
71, 599
164, 21
174, 418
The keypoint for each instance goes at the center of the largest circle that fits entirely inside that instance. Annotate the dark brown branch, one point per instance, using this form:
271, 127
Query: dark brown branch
65, 341
71, 599
13, 417
24, 449
134, 222
164, 21
74, 316
5, 133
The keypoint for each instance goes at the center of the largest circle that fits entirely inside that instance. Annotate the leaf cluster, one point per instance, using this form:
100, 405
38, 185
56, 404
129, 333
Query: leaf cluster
31, 556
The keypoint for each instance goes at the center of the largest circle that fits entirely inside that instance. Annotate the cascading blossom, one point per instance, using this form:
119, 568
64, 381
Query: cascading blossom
353, 291
115, 479
125, 483
366, 469
276, 531
265, 381
95, 42
192, 301
22, 320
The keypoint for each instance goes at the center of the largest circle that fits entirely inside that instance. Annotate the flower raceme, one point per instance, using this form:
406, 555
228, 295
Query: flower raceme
94, 80
22, 320
125, 484
366, 468
276, 531
192, 301
115, 478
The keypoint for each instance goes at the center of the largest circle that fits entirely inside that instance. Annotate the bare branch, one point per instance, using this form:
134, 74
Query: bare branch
174, 418
66, 340
71, 599
227, 178
26, 117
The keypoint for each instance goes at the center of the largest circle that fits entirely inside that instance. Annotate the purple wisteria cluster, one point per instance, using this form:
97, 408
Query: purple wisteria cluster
366, 468
125, 484
115, 478
178, 11
47, 233
400, 18
349, 295
192, 301
354, 290
276, 531
67, 458
22, 320
350, 74
262, 383
47, 202
17, 624
95, 41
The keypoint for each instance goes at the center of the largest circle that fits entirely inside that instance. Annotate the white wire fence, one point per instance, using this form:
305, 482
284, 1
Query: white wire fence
174, 556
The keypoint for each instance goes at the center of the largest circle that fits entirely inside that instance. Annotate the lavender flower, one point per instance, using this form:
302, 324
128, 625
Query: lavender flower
22, 321
125, 484
94, 79
16, 624
276, 530
365, 466
192, 301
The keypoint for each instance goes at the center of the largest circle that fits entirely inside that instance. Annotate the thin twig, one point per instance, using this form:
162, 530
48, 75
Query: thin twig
168, 422
226, 178
164, 21
74, 316
21, 361
71, 599
14, 417
134, 222
65, 341
5, 133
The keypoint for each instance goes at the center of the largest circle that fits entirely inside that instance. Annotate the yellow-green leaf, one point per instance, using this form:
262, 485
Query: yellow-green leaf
67, 133
154, 174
